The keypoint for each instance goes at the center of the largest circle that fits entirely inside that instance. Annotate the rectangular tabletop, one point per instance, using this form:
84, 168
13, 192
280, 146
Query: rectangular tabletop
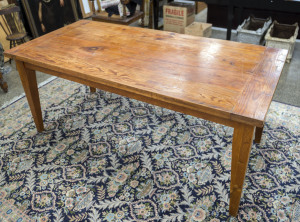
234, 81
226, 82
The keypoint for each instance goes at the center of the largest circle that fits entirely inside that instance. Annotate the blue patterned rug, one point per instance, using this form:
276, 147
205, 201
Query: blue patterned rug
104, 157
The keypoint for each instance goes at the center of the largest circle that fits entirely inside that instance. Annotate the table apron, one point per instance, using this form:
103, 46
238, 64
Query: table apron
231, 122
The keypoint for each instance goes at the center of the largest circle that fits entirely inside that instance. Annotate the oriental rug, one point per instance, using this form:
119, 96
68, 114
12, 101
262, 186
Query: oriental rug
104, 157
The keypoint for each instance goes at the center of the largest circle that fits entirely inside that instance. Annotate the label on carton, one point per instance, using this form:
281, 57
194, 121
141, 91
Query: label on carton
176, 18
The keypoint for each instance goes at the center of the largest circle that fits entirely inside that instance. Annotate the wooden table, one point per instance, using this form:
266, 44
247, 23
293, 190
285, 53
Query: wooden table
221, 81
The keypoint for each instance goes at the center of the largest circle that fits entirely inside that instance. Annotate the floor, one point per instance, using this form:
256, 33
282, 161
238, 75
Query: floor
288, 89
15, 87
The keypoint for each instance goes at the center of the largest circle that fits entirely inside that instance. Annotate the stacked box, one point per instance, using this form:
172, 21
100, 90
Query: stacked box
177, 16
199, 29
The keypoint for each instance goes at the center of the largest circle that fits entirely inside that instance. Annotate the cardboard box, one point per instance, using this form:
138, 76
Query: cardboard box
199, 29
177, 16
200, 6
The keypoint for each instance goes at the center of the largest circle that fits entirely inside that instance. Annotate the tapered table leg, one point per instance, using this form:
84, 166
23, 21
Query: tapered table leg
92, 89
28, 78
241, 146
258, 134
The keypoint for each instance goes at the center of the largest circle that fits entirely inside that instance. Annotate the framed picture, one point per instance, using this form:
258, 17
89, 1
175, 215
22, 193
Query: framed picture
48, 15
86, 7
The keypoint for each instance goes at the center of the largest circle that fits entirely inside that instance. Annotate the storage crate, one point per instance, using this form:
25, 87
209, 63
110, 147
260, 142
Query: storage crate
282, 36
252, 30
199, 29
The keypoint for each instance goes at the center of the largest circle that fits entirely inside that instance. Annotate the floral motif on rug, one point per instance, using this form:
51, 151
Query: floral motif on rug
104, 157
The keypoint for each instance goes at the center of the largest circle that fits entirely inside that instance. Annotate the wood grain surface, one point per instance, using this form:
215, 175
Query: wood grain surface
28, 79
241, 147
225, 82
227, 79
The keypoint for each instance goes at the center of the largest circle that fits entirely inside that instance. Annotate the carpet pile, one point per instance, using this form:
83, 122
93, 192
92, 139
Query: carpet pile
104, 157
